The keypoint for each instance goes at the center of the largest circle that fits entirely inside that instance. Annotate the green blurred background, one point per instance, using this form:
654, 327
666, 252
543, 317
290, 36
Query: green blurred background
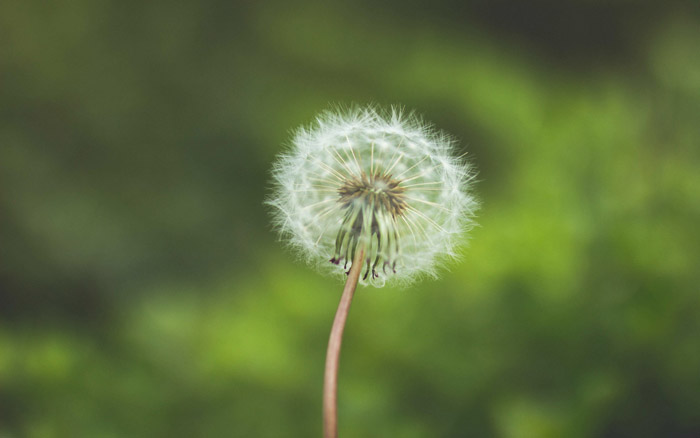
143, 293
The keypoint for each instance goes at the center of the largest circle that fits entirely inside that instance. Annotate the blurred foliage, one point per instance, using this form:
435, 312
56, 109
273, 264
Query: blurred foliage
143, 294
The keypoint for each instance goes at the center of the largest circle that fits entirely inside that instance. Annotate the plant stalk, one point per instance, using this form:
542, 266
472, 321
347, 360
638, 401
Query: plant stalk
330, 380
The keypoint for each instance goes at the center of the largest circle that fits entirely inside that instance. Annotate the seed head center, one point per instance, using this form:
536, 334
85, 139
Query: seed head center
378, 190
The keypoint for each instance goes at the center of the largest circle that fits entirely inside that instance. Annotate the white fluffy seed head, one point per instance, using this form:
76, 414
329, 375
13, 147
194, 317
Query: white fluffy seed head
386, 182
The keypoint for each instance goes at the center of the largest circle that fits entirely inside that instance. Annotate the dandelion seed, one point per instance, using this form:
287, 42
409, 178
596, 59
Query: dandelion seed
380, 173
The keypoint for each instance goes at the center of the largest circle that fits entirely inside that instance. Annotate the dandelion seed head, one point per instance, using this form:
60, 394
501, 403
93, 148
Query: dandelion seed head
384, 182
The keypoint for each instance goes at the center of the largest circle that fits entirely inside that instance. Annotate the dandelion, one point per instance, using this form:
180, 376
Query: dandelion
374, 196
388, 184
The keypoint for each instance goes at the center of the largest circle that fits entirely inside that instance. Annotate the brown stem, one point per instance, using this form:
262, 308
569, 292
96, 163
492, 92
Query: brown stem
330, 380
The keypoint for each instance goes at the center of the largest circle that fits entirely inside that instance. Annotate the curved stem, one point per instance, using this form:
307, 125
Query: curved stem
330, 380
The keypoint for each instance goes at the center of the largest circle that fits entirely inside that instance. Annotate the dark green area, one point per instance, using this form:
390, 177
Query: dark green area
143, 293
